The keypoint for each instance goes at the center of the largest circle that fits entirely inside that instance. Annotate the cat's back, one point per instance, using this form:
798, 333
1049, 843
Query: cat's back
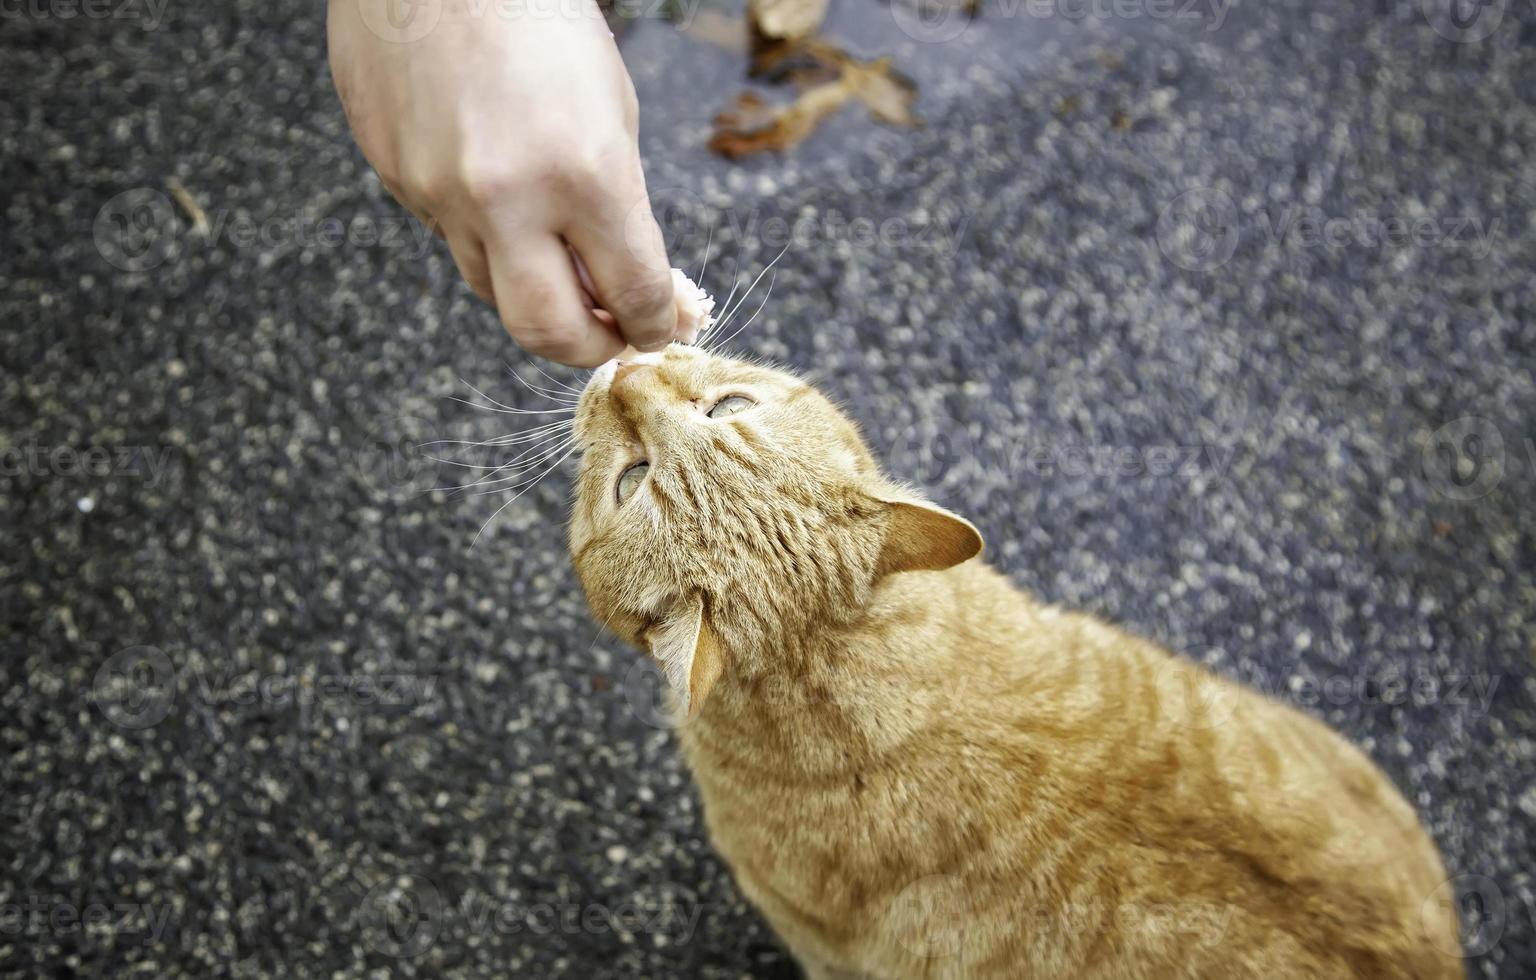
1085, 803
1191, 792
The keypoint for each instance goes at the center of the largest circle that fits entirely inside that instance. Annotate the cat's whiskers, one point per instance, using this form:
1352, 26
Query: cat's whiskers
705, 267
511, 439
506, 409
708, 331
570, 388
559, 397
732, 309
541, 445
519, 467
520, 478
513, 411
717, 348
533, 483
538, 444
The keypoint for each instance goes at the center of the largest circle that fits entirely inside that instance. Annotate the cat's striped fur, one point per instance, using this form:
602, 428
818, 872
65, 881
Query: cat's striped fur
917, 771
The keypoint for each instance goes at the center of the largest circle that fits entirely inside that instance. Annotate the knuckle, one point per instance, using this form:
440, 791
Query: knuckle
583, 172
594, 174
484, 186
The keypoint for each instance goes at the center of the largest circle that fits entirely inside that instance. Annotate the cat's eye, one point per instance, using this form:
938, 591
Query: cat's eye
630, 479
730, 405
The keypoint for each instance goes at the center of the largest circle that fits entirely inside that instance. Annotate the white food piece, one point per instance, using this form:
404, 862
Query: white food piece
695, 315
695, 307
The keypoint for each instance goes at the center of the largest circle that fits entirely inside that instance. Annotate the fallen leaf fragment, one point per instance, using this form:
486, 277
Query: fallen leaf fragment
195, 212
755, 128
828, 78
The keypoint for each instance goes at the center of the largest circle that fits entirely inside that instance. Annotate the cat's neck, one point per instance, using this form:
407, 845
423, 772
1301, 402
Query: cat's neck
840, 699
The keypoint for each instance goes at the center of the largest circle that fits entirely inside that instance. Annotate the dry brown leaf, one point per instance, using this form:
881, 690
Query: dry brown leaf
886, 95
757, 129
200, 226
828, 78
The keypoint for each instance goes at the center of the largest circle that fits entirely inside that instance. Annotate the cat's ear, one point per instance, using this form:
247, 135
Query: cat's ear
688, 652
924, 537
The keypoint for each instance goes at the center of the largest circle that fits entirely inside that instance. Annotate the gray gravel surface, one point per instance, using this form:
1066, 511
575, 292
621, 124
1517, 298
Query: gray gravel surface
1221, 327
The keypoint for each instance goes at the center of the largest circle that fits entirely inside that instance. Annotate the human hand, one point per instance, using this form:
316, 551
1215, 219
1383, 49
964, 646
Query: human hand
516, 138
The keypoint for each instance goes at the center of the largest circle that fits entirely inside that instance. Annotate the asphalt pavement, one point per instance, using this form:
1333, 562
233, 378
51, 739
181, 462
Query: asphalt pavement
1218, 322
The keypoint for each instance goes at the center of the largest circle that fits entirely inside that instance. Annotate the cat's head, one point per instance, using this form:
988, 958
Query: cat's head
726, 510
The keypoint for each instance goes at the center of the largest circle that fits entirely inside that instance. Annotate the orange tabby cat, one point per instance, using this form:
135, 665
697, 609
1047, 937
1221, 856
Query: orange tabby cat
917, 771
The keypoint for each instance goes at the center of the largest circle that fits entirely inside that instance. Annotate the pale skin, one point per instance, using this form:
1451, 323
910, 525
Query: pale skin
512, 131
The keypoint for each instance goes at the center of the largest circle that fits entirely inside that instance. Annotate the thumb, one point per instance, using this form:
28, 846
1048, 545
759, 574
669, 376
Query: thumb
627, 271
